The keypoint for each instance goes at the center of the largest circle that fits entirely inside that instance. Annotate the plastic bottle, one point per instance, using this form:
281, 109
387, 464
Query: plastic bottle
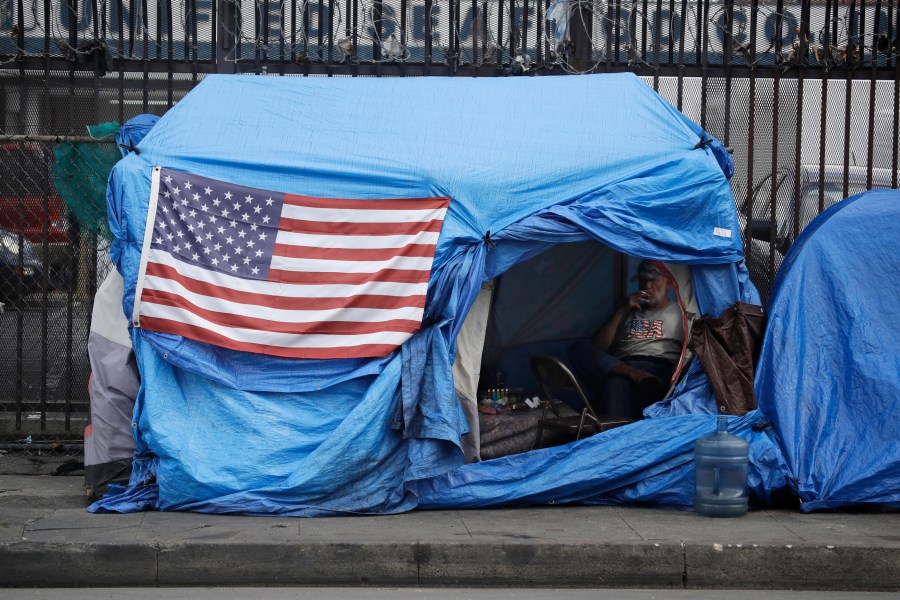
720, 465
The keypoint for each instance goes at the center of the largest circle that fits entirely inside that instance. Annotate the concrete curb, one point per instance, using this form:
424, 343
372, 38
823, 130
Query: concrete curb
48, 539
645, 565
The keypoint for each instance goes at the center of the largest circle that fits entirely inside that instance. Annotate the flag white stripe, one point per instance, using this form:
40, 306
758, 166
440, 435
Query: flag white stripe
284, 290
315, 265
361, 315
351, 215
281, 340
361, 242
145, 248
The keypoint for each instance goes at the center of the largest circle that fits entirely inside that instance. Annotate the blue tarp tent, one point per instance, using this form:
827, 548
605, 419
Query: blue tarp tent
829, 371
529, 164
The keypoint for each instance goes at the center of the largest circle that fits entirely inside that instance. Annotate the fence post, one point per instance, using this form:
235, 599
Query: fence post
226, 32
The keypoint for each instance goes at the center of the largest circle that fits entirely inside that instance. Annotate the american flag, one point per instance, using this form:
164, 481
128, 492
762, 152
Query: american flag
282, 274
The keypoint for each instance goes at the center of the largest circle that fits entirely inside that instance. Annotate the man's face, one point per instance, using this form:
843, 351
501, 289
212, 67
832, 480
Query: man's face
654, 291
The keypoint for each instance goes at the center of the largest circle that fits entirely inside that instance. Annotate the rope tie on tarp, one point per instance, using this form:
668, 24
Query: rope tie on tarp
130, 146
703, 143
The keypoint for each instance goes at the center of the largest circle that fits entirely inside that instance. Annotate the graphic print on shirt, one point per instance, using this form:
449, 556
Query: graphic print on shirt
643, 329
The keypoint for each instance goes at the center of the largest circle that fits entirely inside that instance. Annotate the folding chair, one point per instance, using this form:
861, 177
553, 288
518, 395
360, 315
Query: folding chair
552, 374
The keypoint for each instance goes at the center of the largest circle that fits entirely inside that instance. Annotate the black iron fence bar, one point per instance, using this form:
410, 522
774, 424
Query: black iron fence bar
704, 62
606, 29
45, 260
644, 36
132, 13
669, 29
193, 33
751, 131
281, 48
851, 48
394, 69
69, 380
617, 32
451, 50
170, 51
20, 36
823, 118
499, 28
456, 5
699, 29
657, 39
320, 31
484, 36
262, 31
45, 107
729, 57
895, 162
20, 322
475, 33
543, 48
632, 52
145, 56
682, 69
160, 21
306, 43
355, 40
429, 7
330, 33
776, 94
293, 8
524, 35
803, 31
870, 150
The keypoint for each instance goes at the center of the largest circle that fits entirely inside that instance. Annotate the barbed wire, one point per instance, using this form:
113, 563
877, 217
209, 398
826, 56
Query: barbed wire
381, 36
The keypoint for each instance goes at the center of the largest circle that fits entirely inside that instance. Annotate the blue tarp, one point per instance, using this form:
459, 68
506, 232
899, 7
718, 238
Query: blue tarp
535, 162
829, 372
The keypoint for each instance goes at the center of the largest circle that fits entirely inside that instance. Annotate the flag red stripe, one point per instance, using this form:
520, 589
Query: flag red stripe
345, 228
310, 278
285, 302
311, 327
204, 335
378, 204
354, 254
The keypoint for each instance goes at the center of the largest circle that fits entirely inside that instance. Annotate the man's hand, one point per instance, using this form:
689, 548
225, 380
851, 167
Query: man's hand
639, 299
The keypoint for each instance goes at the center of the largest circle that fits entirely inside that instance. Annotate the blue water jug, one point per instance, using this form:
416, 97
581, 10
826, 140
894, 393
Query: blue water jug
720, 465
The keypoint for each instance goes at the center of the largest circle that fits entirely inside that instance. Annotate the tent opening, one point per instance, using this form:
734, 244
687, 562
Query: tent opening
539, 306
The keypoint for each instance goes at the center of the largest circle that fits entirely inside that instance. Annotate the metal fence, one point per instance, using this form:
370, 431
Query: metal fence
806, 94
53, 240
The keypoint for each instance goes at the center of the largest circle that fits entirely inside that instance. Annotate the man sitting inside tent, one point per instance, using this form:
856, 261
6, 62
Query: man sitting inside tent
629, 361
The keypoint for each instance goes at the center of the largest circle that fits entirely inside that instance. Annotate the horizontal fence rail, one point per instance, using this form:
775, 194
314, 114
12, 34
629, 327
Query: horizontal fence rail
806, 95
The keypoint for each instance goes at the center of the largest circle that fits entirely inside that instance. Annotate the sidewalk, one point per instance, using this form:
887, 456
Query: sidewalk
48, 539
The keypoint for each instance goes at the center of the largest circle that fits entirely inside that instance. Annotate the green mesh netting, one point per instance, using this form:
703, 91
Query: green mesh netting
80, 172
